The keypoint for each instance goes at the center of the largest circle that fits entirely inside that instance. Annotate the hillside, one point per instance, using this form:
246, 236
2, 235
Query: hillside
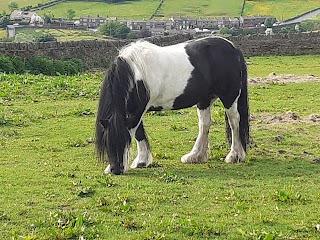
126, 10
280, 9
140, 9
204, 8
21, 3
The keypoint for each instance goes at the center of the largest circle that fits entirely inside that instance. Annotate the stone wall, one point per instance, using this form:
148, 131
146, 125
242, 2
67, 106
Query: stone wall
99, 53
284, 44
95, 53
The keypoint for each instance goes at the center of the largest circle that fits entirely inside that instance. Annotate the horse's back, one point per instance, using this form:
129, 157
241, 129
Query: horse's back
217, 62
182, 75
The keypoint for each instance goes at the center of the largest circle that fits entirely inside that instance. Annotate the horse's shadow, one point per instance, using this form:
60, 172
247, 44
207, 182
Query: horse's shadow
257, 168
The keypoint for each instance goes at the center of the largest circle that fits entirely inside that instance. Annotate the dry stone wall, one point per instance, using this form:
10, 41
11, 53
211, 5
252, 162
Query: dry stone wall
94, 53
99, 53
284, 44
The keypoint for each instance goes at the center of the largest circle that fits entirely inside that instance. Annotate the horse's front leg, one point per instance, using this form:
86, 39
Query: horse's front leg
144, 157
199, 152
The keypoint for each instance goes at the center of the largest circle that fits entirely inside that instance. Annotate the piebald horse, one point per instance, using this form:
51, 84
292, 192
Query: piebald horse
145, 77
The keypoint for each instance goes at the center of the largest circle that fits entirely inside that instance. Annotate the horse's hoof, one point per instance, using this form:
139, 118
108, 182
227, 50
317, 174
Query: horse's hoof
141, 165
233, 157
141, 162
193, 158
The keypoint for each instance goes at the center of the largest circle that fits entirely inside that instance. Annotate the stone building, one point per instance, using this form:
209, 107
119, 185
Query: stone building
95, 22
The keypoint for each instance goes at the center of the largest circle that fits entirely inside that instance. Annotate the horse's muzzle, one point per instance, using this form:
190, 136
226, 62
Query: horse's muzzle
116, 169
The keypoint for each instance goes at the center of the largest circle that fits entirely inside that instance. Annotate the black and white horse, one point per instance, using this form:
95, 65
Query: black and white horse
145, 77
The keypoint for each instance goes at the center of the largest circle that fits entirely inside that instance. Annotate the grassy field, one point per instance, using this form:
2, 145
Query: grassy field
3, 33
125, 10
280, 9
21, 3
145, 8
298, 65
28, 34
52, 187
204, 9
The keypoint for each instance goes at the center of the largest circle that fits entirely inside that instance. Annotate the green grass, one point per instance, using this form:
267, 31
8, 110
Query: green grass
3, 33
125, 10
28, 34
298, 65
21, 3
203, 9
280, 9
52, 187
145, 8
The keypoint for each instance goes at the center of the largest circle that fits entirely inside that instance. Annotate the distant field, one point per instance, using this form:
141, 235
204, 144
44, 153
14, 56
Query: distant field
282, 9
3, 33
204, 8
26, 35
21, 3
133, 10
279, 8
298, 65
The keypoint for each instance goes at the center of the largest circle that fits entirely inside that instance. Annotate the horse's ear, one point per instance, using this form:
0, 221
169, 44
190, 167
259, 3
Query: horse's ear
104, 122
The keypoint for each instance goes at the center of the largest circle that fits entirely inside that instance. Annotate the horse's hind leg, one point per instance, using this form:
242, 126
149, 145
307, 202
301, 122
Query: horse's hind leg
237, 153
144, 157
199, 152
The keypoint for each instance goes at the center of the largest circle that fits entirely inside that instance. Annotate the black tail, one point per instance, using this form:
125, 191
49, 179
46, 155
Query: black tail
243, 107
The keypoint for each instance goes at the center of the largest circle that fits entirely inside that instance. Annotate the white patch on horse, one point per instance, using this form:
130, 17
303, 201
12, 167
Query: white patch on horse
144, 157
171, 78
107, 170
237, 153
199, 152
126, 156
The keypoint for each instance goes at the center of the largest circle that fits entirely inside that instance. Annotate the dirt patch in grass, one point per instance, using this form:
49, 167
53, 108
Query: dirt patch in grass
287, 78
288, 117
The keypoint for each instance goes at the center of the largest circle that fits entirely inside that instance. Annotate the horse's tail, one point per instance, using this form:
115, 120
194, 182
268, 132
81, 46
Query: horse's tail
243, 107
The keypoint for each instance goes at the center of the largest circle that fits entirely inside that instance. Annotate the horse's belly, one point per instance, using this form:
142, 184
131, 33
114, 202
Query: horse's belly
162, 104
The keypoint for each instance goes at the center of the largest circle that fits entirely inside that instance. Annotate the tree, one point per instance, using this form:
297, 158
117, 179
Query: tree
287, 30
114, 29
4, 21
71, 13
26, 8
45, 38
3, 14
13, 6
132, 35
268, 23
47, 17
307, 26
224, 31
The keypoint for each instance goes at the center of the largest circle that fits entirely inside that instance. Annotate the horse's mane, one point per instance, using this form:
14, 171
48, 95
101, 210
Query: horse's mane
129, 67
112, 104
